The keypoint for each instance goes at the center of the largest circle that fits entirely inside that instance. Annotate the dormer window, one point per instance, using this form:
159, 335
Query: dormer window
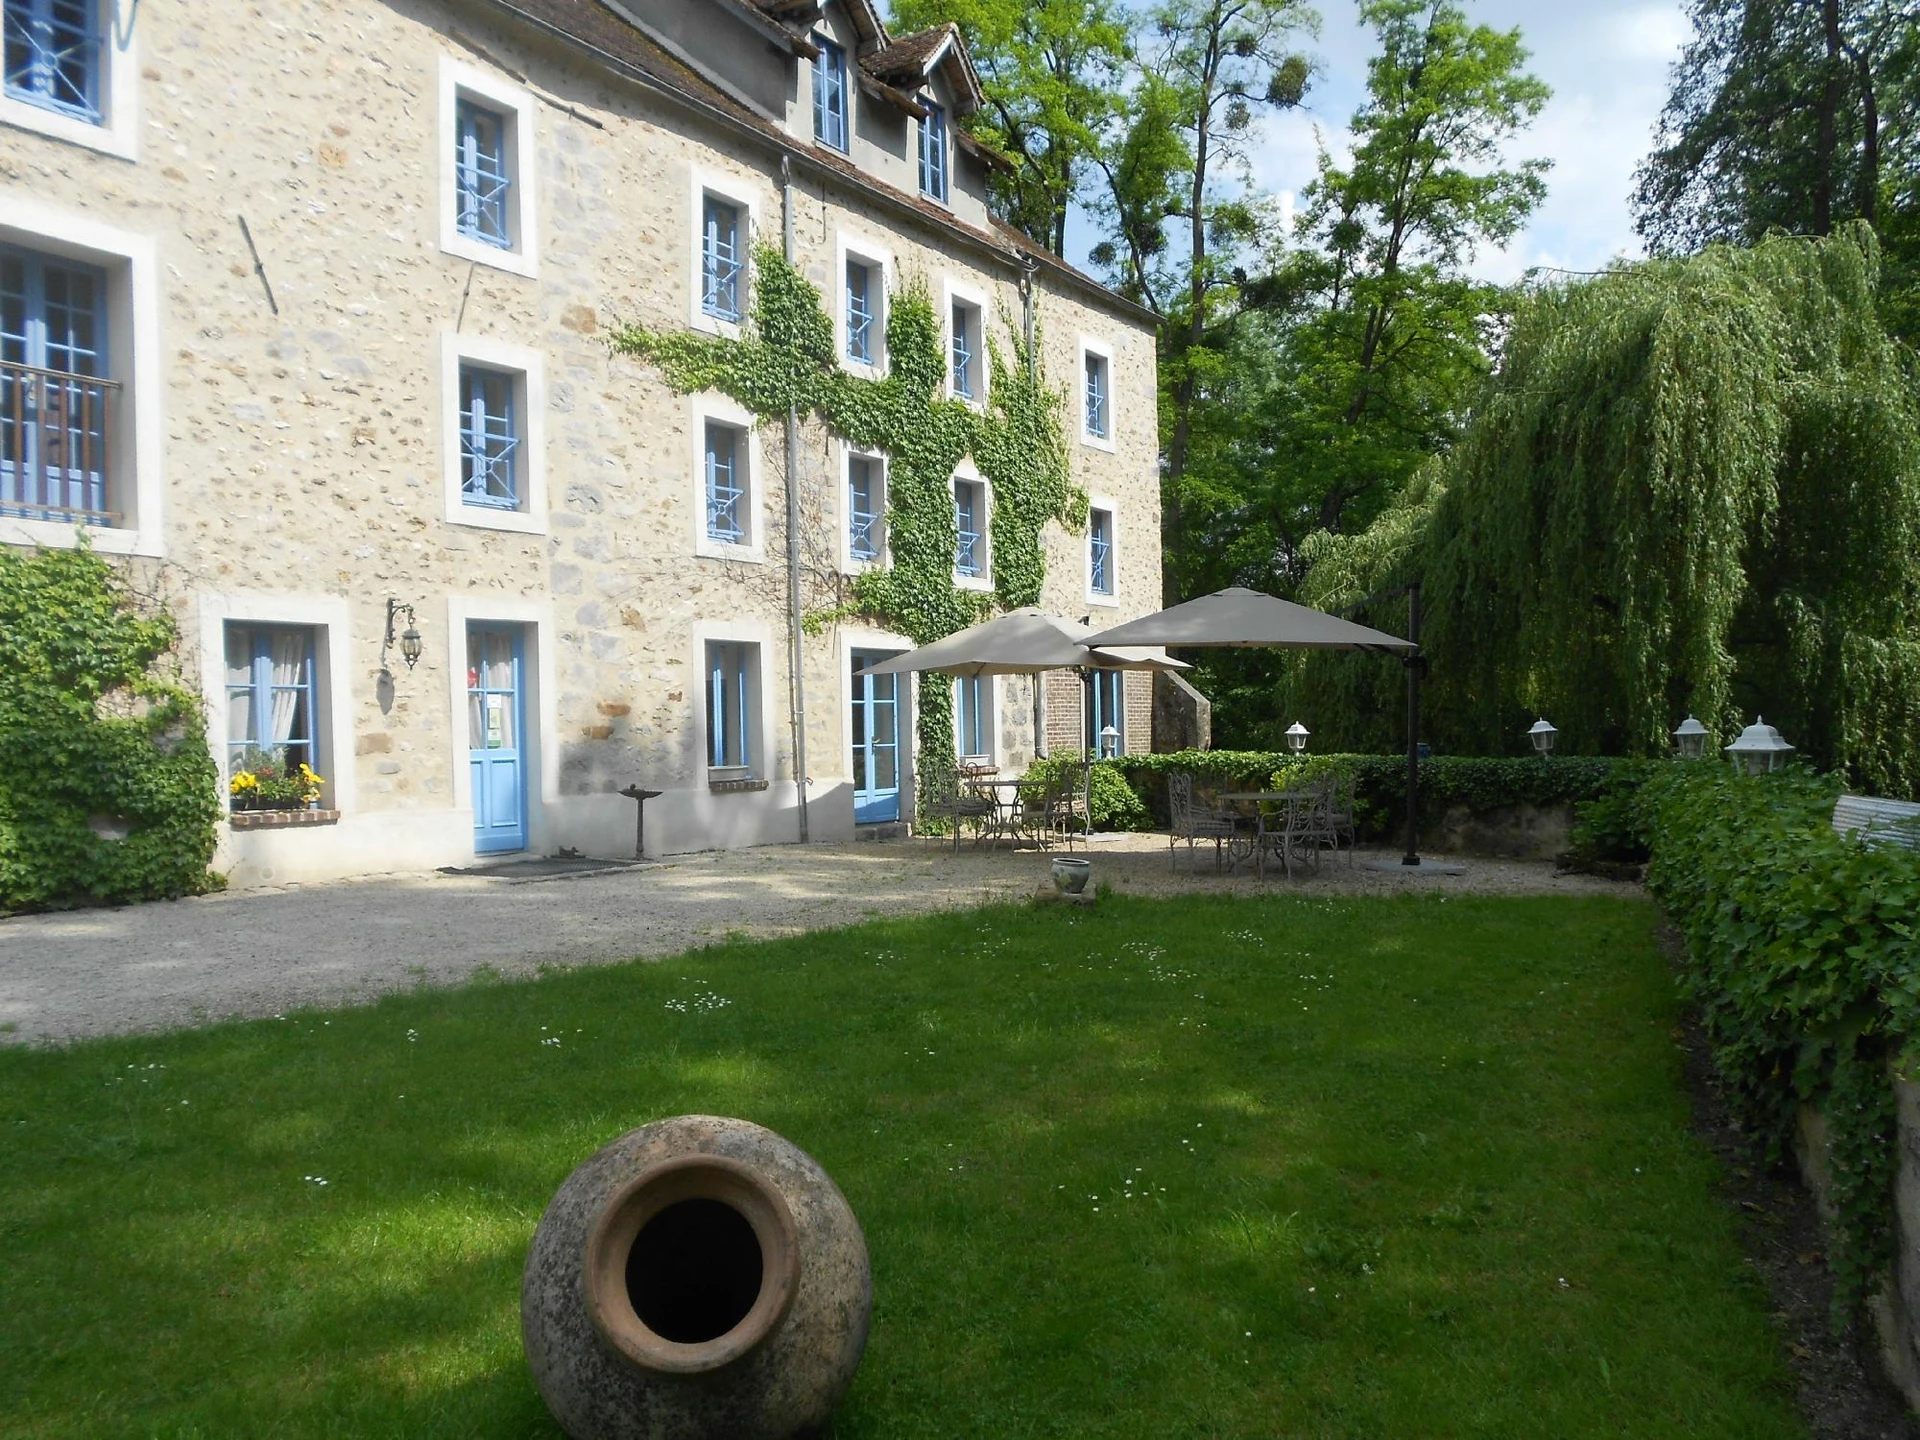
933, 153
830, 94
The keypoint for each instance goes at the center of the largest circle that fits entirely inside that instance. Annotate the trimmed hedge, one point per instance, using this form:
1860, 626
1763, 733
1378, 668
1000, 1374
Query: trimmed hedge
1803, 955
1130, 793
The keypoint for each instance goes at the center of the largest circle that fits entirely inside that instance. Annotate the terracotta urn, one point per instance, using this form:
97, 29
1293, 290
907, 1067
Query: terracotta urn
699, 1278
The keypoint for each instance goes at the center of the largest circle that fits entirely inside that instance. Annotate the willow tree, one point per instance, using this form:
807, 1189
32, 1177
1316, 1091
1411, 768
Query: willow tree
1690, 486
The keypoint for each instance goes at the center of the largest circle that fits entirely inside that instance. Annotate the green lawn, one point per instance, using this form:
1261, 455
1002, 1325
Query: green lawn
1201, 1167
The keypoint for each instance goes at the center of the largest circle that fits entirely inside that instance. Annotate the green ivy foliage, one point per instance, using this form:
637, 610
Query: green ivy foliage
1803, 954
90, 733
784, 360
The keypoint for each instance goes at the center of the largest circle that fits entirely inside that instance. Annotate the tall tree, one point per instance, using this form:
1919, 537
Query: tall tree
1053, 71
1209, 67
1792, 115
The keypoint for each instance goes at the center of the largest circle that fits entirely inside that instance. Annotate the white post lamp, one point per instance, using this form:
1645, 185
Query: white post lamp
1542, 736
1759, 750
1109, 742
1297, 737
1690, 739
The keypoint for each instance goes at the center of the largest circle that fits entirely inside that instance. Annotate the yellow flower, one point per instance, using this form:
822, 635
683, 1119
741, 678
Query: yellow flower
243, 781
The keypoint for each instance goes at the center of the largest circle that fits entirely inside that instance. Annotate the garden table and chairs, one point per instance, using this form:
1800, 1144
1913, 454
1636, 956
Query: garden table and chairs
1016, 810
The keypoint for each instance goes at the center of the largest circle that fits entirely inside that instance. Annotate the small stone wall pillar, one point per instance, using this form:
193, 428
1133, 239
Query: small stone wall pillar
1182, 716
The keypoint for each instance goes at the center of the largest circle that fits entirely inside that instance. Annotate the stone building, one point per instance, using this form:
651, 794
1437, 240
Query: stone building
305, 316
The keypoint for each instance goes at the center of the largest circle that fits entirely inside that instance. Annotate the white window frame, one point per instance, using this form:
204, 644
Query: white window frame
990, 692
461, 81
849, 562
328, 617
720, 410
528, 368
118, 134
739, 193
1101, 350
738, 632
952, 290
968, 474
133, 348
852, 248
1112, 511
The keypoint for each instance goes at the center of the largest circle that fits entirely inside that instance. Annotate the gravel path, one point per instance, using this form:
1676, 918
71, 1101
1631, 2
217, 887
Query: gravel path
259, 952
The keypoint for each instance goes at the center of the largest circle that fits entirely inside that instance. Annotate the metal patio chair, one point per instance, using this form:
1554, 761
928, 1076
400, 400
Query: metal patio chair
1194, 822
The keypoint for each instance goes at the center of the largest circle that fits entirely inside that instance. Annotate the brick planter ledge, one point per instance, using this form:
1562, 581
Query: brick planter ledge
280, 819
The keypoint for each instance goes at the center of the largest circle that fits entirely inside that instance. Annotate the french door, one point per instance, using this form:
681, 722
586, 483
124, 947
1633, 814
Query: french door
875, 728
496, 742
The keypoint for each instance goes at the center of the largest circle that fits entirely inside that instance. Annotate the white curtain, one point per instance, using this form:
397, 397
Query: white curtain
239, 687
289, 668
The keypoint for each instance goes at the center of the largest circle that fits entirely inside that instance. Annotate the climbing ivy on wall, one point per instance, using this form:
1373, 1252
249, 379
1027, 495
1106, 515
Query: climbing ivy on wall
107, 791
784, 359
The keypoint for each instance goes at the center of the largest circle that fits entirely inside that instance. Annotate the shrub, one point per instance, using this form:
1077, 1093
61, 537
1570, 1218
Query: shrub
1113, 804
1804, 958
107, 791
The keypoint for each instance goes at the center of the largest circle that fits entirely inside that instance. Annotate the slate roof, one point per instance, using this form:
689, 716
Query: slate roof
589, 24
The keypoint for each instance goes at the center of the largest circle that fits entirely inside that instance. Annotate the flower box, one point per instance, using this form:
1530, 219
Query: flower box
281, 819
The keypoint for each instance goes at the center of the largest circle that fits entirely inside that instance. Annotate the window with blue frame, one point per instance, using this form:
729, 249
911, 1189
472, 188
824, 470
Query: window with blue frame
969, 523
489, 438
720, 259
55, 55
55, 394
725, 484
1100, 551
860, 312
482, 175
865, 506
973, 707
830, 94
1097, 396
966, 350
270, 697
730, 671
1108, 708
933, 152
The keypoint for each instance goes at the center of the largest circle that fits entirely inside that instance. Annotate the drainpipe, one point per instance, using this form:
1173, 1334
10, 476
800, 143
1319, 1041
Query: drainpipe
796, 680
1028, 268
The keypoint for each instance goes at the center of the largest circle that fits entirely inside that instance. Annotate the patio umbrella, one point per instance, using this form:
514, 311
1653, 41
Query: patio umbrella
1026, 642
1022, 642
1243, 617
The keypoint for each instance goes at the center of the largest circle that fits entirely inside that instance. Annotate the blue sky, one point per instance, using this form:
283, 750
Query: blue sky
1607, 62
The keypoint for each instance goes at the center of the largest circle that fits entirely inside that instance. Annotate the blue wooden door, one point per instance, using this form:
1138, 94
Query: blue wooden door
875, 723
495, 739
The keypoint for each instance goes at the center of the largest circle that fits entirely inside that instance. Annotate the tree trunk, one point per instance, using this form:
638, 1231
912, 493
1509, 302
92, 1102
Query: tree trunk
1825, 135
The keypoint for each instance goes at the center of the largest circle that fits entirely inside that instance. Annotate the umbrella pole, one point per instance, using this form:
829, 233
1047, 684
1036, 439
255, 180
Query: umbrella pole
1415, 663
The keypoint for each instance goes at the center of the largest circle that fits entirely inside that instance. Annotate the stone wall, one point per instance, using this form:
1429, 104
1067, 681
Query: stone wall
304, 453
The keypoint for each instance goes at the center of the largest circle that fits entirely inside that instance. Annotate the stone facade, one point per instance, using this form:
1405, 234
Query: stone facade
285, 444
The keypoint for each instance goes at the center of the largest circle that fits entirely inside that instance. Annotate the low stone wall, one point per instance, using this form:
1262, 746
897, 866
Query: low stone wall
1508, 832
1896, 1306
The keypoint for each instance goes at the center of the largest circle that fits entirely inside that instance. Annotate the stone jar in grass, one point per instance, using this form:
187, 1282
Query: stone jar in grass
698, 1278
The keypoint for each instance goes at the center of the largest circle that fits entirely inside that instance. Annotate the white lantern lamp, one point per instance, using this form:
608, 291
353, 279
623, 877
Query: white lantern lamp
1690, 739
1542, 736
1297, 737
1109, 742
1760, 750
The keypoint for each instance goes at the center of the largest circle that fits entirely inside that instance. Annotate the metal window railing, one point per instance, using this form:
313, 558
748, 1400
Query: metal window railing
967, 548
53, 445
482, 181
863, 516
720, 261
54, 51
723, 495
1101, 548
962, 353
1096, 399
859, 314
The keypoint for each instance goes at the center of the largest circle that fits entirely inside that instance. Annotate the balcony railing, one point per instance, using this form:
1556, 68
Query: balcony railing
53, 445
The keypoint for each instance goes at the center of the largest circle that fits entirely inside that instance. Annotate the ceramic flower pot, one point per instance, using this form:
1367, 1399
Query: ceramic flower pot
698, 1278
1070, 876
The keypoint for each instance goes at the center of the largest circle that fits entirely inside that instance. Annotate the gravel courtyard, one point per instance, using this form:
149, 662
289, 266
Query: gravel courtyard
156, 967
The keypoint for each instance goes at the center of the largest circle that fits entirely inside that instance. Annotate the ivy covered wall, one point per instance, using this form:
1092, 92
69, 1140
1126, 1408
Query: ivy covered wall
785, 359
107, 791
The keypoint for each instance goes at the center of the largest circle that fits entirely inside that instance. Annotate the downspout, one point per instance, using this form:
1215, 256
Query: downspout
796, 681
1028, 268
